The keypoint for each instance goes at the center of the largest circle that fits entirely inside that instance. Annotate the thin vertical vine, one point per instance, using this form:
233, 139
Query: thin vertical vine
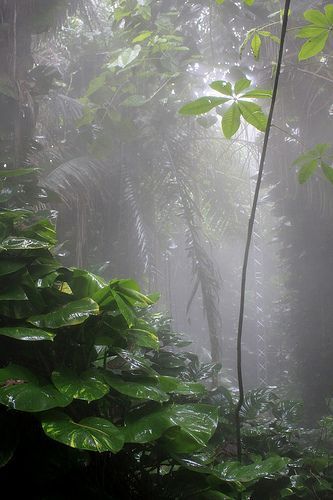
250, 230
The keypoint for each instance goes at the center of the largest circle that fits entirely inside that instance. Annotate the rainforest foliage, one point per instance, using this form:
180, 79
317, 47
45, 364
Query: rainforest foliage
99, 397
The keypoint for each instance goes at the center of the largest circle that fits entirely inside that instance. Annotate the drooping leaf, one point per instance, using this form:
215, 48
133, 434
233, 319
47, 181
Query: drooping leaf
85, 284
74, 313
125, 309
92, 433
89, 385
233, 471
253, 114
202, 105
307, 170
231, 120
27, 334
256, 45
196, 421
21, 390
143, 338
313, 46
328, 171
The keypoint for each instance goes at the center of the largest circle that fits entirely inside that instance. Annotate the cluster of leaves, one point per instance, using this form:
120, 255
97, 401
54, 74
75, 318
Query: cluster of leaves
241, 104
317, 32
309, 162
87, 371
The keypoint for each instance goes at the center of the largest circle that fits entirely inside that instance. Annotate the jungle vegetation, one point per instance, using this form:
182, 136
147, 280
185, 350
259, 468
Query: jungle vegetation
131, 137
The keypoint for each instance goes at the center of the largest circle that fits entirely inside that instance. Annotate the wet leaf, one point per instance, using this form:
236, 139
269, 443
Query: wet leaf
92, 433
74, 313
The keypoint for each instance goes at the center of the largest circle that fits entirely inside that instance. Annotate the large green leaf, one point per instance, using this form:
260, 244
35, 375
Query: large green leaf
89, 385
27, 334
313, 46
174, 385
142, 389
23, 244
253, 114
316, 17
196, 423
21, 390
143, 338
202, 105
231, 120
233, 471
92, 433
74, 313
85, 284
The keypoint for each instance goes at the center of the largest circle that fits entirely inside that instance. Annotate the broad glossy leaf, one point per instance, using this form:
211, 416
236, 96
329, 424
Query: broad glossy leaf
27, 334
13, 243
231, 120
253, 114
143, 338
249, 2
134, 362
89, 385
316, 17
85, 284
176, 386
74, 313
142, 389
202, 105
233, 471
222, 86
313, 46
92, 433
196, 421
21, 390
